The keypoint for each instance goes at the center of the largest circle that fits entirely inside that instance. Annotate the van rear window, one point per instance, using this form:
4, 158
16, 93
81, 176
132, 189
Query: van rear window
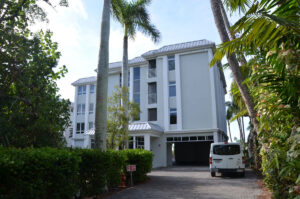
226, 149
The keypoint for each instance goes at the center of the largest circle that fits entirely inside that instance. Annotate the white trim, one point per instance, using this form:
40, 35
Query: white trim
131, 84
195, 51
213, 90
193, 131
147, 142
87, 108
178, 92
165, 93
75, 116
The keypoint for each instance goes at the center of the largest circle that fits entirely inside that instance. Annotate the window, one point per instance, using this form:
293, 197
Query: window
120, 83
80, 109
171, 62
80, 128
136, 87
172, 89
92, 88
227, 149
91, 125
152, 68
152, 114
139, 142
81, 90
92, 143
173, 116
152, 99
136, 142
70, 132
91, 108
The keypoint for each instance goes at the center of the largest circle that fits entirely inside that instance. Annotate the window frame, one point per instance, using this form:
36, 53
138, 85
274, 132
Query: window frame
91, 106
80, 130
94, 88
172, 84
172, 111
171, 58
149, 111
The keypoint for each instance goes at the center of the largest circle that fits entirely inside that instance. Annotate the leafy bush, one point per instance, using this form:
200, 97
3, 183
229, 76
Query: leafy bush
37, 173
143, 161
59, 173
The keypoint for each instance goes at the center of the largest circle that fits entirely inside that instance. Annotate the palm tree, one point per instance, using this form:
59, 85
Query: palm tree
102, 79
233, 63
132, 16
229, 115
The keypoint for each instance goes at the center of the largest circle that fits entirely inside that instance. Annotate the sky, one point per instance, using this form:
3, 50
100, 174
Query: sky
77, 30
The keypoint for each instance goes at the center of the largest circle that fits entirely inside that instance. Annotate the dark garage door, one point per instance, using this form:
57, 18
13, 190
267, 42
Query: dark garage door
192, 153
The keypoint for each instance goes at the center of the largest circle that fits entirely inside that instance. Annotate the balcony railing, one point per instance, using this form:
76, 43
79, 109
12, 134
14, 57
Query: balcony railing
151, 72
152, 98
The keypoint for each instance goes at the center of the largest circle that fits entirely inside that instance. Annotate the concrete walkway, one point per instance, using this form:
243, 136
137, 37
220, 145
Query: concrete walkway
192, 182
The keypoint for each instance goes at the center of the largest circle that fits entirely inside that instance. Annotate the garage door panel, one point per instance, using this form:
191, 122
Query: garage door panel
193, 153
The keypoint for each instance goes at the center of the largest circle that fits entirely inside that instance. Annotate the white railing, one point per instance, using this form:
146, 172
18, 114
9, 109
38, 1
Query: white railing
152, 98
151, 72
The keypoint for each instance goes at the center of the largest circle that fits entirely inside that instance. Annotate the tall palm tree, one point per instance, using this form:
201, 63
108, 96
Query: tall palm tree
233, 63
102, 79
132, 16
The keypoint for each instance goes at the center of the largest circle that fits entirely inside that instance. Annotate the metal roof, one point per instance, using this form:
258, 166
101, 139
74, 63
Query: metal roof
86, 80
144, 126
178, 47
136, 126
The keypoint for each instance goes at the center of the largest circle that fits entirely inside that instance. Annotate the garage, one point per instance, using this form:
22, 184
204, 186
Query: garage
191, 150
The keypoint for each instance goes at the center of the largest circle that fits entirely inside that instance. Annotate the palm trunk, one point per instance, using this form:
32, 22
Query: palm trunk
125, 73
243, 128
233, 63
102, 79
242, 58
229, 131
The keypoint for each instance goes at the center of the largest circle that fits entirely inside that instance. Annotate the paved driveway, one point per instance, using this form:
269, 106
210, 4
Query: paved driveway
192, 182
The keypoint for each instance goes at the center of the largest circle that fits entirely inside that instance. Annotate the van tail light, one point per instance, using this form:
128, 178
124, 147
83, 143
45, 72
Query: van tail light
210, 160
244, 160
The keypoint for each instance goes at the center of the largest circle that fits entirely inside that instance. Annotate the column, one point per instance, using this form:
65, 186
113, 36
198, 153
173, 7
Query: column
216, 137
134, 142
166, 93
147, 142
87, 104
213, 90
75, 116
178, 92
131, 85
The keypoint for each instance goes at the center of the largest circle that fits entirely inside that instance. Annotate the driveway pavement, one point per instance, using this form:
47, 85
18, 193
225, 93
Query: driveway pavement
192, 182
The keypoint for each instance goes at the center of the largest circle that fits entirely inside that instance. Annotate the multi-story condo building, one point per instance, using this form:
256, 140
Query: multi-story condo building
180, 97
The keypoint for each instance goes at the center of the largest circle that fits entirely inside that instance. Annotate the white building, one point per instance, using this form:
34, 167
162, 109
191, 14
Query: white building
181, 100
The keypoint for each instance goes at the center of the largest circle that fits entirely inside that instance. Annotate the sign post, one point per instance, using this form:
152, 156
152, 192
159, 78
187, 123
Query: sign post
130, 169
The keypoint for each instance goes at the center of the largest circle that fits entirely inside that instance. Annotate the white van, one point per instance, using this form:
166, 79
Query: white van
226, 158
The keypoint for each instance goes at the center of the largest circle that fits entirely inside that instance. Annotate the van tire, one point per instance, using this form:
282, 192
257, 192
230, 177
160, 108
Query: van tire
242, 174
213, 174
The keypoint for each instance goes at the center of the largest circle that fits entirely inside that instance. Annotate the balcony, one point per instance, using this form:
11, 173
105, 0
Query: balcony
151, 72
152, 98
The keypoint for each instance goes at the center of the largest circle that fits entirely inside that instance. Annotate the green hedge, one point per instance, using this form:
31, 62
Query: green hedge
143, 161
37, 173
61, 173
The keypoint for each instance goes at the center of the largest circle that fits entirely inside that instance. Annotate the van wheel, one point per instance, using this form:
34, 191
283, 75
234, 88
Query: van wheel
242, 174
213, 174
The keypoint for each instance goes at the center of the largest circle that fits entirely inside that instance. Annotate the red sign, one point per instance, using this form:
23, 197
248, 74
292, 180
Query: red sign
131, 168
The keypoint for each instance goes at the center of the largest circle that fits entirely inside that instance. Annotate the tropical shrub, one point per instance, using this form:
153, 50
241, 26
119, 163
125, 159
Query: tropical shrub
143, 161
37, 173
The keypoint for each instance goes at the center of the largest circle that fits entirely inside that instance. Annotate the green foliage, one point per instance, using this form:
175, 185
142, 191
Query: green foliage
37, 173
134, 16
269, 35
119, 118
143, 161
31, 112
60, 173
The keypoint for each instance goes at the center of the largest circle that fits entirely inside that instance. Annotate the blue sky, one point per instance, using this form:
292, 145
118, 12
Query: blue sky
77, 31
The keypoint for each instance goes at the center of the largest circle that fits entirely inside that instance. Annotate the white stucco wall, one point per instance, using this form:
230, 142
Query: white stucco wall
196, 91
